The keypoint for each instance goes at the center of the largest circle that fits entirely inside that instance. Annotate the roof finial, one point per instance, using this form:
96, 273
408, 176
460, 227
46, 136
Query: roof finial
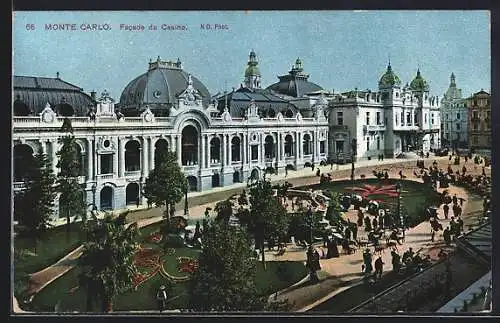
389, 60
57, 74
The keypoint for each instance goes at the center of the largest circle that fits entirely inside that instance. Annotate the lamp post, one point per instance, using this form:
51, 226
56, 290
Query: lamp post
310, 217
186, 206
353, 157
401, 220
94, 189
140, 191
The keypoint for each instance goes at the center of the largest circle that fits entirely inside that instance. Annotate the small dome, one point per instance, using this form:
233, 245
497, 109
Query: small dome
389, 79
252, 70
418, 83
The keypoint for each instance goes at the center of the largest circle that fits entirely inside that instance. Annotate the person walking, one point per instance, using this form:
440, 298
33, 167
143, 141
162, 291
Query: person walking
401, 174
446, 236
455, 199
379, 265
161, 298
367, 259
396, 261
446, 210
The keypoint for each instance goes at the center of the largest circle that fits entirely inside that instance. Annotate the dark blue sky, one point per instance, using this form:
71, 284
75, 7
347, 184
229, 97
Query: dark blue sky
340, 50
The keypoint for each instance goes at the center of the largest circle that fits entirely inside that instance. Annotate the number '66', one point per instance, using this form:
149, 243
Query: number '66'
30, 27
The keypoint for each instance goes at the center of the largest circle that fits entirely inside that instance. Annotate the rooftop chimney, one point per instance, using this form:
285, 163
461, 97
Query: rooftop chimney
92, 95
57, 75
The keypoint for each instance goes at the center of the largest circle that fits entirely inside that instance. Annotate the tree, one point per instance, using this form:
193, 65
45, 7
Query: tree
71, 200
166, 183
107, 262
225, 279
334, 211
268, 218
35, 204
224, 210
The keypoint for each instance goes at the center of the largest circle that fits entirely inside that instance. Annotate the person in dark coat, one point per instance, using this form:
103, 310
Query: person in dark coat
459, 225
161, 298
354, 230
446, 211
367, 260
386, 175
447, 236
313, 264
333, 249
361, 217
379, 265
375, 223
396, 261
347, 233
368, 224
455, 199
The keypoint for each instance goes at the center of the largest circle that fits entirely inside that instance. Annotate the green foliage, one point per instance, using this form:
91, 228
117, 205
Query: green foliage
71, 200
173, 241
224, 210
34, 205
225, 277
166, 183
107, 262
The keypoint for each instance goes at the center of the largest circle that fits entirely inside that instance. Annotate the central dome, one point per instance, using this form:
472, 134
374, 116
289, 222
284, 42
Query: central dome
158, 88
418, 83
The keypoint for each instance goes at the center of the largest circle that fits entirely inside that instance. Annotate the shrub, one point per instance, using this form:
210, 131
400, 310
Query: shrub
173, 241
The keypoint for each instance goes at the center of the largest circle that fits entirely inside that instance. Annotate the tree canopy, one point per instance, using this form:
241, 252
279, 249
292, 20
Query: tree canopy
107, 262
34, 205
166, 183
225, 280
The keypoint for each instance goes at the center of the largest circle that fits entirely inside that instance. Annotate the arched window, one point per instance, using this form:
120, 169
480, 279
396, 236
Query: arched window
215, 150
269, 147
161, 146
235, 149
189, 145
307, 144
289, 151
132, 156
23, 158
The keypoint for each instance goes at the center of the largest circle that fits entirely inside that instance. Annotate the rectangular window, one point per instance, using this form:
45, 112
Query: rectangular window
475, 126
446, 126
322, 147
367, 143
340, 118
425, 118
432, 118
339, 146
255, 152
378, 118
378, 143
397, 120
368, 118
415, 118
446, 116
475, 114
474, 140
408, 118
106, 164
402, 118
458, 126
458, 116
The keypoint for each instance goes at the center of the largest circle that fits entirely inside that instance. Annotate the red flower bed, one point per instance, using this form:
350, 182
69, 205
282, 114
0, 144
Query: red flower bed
155, 237
187, 265
148, 263
368, 190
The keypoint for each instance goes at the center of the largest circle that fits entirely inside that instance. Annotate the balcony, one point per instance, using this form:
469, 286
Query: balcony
373, 127
18, 185
106, 176
132, 173
339, 128
188, 168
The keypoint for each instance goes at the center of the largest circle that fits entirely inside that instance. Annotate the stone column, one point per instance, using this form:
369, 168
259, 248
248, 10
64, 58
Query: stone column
203, 150
317, 145
152, 152
261, 149
121, 151
209, 156
229, 150
53, 156
245, 149
282, 144
279, 151
115, 162
178, 148
297, 145
224, 150
145, 164
98, 163
90, 159
43, 146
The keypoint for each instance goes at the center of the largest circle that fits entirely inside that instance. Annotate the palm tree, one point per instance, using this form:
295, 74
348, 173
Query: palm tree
107, 263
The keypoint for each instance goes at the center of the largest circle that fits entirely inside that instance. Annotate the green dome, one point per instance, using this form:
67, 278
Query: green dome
389, 79
252, 70
418, 83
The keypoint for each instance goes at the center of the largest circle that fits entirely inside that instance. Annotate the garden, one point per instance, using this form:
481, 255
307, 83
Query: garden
415, 197
158, 263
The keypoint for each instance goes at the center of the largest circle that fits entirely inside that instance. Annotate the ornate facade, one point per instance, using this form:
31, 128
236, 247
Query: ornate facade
454, 117
217, 143
479, 125
394, 120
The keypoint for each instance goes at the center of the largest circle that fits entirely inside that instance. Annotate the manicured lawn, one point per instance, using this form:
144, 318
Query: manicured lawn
415, 197
278, 275
50, 248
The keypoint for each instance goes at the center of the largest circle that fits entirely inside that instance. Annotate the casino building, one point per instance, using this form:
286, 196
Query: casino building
219, 140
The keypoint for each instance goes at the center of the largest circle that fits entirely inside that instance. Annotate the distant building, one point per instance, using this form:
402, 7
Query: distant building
388, 122
479, 121
454, 115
